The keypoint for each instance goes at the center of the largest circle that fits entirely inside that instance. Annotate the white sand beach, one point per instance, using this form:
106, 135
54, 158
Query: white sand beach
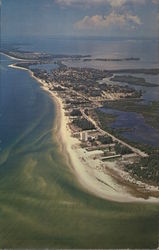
87, 170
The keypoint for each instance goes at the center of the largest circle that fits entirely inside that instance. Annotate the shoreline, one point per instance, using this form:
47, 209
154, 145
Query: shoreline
15, 58
88, 171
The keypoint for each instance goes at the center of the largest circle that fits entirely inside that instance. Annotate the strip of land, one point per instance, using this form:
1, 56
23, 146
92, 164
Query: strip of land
97, 156
112, 59
139, 81
98, 176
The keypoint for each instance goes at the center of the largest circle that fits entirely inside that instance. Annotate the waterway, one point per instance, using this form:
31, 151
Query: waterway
138, 130
42, 205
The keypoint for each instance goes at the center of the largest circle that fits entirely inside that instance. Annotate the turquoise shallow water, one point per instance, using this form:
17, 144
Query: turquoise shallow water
41, 203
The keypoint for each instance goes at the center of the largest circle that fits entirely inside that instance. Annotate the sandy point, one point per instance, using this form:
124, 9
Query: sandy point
87, 170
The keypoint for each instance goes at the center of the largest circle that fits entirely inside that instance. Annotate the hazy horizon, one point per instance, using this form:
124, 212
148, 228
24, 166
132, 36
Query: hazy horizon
78, 18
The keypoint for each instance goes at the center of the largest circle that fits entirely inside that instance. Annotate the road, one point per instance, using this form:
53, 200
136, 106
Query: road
96, 104
135, 150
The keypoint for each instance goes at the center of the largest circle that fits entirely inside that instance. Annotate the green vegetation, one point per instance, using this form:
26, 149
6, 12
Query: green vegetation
146, 169
122, 150
154, 71
42, 204
133, 80
149, 111
28, 55
105, 120
105, 140
75, 112
112, 59
83, 124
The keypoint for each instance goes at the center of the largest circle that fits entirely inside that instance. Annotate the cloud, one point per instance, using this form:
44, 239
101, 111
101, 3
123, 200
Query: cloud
113, 19
113, 3
119, 3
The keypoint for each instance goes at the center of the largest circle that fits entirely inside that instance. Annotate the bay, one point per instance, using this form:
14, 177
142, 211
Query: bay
41, 202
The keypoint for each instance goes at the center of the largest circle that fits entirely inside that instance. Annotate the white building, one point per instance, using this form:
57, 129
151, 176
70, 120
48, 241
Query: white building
84, 136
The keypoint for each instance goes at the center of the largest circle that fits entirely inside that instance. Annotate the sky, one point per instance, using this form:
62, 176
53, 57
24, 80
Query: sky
107, 18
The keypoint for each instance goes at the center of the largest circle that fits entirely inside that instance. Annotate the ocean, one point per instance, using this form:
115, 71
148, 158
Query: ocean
42, 205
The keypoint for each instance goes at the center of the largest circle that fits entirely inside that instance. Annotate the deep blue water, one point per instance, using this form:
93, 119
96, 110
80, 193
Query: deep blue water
41, 206
147, 50
22, 103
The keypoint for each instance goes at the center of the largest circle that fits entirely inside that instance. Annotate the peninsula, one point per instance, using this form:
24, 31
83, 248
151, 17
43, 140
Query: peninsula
100, 159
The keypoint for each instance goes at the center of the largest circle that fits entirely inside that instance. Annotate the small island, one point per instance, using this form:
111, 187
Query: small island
112, 59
